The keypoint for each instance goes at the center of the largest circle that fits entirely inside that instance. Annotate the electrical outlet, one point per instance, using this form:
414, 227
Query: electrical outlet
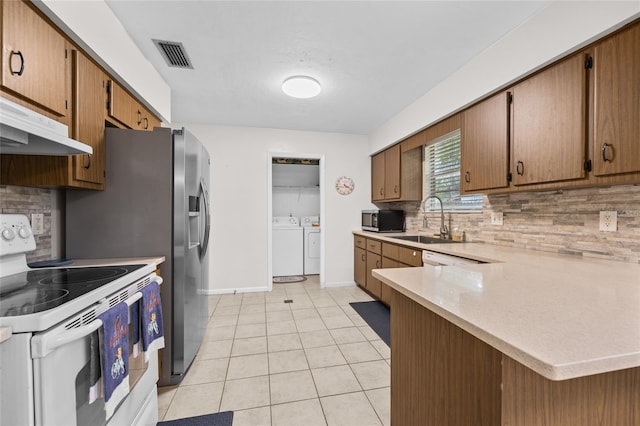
609, 221
496, 218
37, 223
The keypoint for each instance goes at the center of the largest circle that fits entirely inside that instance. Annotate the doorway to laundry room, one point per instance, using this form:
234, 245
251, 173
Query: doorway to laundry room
296, 205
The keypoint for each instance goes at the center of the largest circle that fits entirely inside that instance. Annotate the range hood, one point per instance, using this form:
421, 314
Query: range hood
23, 131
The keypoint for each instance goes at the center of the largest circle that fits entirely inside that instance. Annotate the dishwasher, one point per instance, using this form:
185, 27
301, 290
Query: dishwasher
440, 259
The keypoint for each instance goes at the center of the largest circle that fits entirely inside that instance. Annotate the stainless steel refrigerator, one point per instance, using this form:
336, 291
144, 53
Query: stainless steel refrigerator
156, 202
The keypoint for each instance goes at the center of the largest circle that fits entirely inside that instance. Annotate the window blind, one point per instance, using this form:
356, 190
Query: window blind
442, 176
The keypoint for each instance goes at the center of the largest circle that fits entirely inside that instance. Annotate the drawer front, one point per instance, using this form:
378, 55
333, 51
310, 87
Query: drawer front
410, 256
390, 251
374, 246
359, 241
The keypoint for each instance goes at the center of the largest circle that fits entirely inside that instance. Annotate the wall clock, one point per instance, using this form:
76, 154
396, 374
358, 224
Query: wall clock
344, 185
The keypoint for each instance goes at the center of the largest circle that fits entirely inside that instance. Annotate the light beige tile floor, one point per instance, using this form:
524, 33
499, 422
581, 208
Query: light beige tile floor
313, 361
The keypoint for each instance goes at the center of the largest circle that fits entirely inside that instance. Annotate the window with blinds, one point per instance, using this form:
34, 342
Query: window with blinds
442, 176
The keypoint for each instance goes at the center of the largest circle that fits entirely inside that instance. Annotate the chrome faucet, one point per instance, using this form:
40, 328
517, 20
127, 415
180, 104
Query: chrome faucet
444, 231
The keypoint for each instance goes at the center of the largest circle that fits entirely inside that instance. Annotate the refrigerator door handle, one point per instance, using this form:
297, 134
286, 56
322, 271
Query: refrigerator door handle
204, 245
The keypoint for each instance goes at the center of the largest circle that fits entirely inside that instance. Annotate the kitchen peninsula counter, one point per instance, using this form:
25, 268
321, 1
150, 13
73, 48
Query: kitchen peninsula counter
532, 338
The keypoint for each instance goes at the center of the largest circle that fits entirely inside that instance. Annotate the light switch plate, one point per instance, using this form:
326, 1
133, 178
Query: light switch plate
496, 218
609, 221
37, 223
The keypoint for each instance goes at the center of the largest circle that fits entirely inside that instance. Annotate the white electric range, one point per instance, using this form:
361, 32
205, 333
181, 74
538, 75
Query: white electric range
47, 316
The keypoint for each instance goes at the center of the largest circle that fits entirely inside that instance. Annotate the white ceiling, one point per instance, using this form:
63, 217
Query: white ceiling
373, 58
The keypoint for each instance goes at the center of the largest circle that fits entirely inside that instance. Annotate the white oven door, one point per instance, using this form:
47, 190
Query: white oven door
61, 361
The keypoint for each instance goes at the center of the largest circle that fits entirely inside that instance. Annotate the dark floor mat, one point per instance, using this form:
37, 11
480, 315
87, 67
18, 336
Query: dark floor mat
218, 419
377, 315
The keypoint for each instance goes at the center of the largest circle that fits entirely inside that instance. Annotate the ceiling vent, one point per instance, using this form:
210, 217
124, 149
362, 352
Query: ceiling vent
173, 53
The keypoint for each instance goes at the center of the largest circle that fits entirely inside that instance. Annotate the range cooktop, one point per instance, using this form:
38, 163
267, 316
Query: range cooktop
39, 290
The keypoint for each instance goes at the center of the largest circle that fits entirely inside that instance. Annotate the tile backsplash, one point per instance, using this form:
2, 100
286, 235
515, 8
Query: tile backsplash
563, 221
24, 200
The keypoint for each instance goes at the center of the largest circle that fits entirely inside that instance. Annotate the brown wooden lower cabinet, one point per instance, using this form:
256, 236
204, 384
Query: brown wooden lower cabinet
370, 253
385, 290
442, 375
360, 266
385, 293
374, 261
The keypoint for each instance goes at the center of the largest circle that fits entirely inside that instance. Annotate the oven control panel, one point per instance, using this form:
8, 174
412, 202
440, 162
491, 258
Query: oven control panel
15, 234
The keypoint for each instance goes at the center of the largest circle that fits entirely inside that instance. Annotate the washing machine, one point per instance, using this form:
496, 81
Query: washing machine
287, 249
311, 227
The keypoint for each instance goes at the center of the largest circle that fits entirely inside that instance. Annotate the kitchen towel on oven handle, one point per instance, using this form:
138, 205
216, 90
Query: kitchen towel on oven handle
96, 387
135, 327
114, 339
135, 317
152, 326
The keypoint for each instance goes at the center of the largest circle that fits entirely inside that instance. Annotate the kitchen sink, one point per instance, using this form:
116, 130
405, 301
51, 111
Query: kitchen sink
423, 239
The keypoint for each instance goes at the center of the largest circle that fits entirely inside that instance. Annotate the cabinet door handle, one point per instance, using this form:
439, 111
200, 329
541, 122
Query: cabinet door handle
363, 259
606, 147
21, 70
395, 189
467, 176
520, 168
146, 123
381, 191
377, 263
88, 165
139, 117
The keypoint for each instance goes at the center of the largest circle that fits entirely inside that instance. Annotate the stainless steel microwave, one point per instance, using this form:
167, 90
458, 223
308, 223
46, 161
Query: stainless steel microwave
383, 220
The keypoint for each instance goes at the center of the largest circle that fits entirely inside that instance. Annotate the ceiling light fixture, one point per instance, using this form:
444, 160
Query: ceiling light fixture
301, 87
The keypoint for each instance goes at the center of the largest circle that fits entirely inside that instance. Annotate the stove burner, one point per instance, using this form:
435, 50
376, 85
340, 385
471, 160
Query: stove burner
31, 300
38, 290
76, 276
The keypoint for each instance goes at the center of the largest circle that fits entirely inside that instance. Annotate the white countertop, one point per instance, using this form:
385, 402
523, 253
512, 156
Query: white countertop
562, 316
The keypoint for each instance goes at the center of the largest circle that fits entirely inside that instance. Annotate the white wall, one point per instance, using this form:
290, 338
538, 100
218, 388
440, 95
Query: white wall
239, 199
295, 190
561, 27
298, 202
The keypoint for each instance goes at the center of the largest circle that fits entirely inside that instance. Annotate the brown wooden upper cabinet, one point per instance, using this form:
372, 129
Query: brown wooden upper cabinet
149, 121
392, 173
377, 176
45, 71
88, 118
396, 174
35, 58
87, 125
616, 73
126, 109
548, 116
385, 174
485, 144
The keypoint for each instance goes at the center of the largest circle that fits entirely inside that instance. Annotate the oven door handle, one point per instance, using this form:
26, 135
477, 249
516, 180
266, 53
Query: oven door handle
73, 335
85, 330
